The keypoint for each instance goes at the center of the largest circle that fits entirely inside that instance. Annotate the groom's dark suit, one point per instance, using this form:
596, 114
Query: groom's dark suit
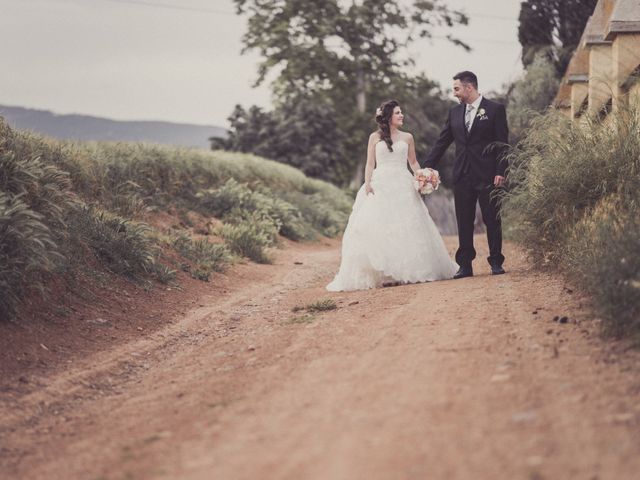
478, 159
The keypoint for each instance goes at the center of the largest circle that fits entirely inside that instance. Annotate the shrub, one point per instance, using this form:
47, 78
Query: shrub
574, 205
328, 218
27, 252
162, 272
208, 257
236, 203
250, 239
531, 95
122, 245
223, 202
34, 199
322, 305
602, 256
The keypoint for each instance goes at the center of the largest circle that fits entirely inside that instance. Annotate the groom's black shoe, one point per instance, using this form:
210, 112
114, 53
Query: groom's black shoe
463, 272
497, 270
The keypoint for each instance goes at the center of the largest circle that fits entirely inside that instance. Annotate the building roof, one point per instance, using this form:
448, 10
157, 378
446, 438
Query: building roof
578, 68
596, 29
609, 19
625, 18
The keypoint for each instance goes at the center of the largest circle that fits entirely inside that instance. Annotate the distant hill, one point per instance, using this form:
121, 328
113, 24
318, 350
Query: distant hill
83, 127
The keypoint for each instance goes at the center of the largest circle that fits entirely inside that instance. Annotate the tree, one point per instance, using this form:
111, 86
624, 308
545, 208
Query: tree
303, 134
530, 95
251, 130
553, 27
343, 51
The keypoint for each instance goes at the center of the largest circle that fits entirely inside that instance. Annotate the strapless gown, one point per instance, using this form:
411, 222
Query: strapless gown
390, 236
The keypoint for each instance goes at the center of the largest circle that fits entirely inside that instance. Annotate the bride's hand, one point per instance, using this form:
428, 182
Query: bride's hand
368, 189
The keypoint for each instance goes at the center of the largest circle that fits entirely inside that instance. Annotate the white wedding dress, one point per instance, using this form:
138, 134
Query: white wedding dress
390, 236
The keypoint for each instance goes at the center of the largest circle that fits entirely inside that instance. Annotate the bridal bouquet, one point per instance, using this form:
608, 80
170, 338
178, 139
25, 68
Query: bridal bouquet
427, 181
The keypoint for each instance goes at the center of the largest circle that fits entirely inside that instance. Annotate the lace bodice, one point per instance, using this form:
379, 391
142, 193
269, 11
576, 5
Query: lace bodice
397, 158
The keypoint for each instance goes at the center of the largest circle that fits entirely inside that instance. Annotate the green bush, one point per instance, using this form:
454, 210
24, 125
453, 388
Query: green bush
124, 246
225, 201
237, 203
531, 94
27, 252
163, 273
322, 305
574, 205
208, 257
34, 200
250, 239
602, 255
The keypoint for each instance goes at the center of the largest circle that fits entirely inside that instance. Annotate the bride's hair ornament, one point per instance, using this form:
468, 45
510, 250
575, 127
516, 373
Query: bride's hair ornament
383, 115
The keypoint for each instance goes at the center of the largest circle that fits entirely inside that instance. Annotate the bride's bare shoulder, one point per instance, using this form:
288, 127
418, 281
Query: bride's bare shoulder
406, 136
374, 137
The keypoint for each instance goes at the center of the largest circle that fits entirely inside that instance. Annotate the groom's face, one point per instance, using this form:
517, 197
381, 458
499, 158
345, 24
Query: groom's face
462, 91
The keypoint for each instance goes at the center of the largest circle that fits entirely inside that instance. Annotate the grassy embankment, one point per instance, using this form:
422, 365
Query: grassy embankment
576, 207
67, 207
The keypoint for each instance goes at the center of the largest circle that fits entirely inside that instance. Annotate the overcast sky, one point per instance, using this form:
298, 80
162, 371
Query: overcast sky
179, 60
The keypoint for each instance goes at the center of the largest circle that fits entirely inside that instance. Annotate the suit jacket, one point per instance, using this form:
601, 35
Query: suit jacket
480, 151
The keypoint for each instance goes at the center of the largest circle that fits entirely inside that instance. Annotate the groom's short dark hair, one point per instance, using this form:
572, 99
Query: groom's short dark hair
467, 77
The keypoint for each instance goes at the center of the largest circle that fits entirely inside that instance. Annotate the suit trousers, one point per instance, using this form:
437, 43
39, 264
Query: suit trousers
467, 192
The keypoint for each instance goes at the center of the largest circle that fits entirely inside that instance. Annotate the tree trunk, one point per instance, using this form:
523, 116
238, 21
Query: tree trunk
361, 102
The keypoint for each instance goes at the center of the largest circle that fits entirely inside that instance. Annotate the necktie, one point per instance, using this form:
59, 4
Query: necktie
468, 116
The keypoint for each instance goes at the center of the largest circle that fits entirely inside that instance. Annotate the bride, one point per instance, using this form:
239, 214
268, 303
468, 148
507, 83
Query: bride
390, 236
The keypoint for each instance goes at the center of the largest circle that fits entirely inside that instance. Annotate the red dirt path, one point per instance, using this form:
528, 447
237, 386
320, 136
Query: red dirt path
447, 380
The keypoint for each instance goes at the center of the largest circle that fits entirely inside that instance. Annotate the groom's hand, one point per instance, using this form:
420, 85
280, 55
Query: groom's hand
498, 181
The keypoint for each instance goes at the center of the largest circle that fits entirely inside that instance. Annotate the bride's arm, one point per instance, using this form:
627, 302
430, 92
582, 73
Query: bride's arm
371, 162
413, 162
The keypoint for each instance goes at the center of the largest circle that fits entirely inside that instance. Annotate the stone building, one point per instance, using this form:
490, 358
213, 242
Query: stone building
604, 69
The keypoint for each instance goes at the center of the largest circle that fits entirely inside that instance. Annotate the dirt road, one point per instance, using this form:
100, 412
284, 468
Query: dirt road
467, 379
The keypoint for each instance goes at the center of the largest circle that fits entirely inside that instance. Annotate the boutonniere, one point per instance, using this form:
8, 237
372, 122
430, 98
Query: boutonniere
482, 114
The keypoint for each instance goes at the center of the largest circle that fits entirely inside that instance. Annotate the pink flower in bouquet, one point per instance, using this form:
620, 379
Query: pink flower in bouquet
427, 181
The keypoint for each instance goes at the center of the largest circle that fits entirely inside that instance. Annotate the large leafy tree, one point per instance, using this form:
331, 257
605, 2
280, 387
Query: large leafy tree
303, 134
344, 51
530, 95
553, 27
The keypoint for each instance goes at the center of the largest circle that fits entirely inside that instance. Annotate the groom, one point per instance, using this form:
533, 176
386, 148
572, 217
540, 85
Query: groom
478, 126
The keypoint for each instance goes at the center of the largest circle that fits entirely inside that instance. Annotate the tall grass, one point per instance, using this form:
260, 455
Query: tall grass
27, 251
250, 239
122, 245
574, 205
237, 203
62, 202
174, 176
208, 257
34, 199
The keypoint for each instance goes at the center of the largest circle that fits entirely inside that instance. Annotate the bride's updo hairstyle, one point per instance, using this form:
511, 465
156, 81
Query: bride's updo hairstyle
383, 116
